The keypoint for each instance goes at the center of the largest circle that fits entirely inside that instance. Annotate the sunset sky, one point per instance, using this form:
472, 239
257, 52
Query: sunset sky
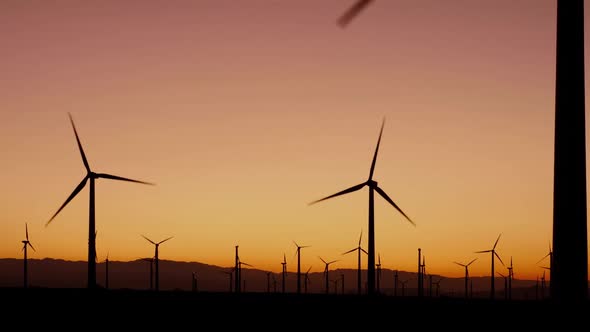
243, 112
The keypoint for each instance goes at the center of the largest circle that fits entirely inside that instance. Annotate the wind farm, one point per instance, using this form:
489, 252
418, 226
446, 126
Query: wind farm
470, 115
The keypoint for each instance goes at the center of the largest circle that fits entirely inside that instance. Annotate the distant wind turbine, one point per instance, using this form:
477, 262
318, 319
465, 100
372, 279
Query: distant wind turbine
492, 276
90, 175
326, 271
26, 243
284, 273
466, 266
306, 281
298, 252
230, 274
359, 249
372, 188
157, 259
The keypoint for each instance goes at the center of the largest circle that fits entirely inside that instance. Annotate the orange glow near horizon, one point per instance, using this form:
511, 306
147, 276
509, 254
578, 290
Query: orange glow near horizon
243, 114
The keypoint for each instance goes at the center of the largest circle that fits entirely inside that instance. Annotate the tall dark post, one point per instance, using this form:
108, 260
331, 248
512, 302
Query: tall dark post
395, 280
342, 276
471, 289
268, 282
91, 239
493, 283
358, 275
237, 272
569, 274
157, 269
26, 275
298, 270
466, 282
371, 258
152, 274
419, 272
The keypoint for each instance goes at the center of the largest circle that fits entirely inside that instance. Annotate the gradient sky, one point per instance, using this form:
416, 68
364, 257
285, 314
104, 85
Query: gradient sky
242, 112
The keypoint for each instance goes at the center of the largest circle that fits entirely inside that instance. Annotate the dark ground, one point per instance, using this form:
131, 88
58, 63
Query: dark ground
55, 307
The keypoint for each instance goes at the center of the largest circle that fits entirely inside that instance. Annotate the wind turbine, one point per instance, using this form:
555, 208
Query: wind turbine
92, 176
570, 236
298, 252
157, 259
106, 282
466, 266
372, 188
326, 269
510, 276
359, 249
26, 243
240, 263
505, 285
151, 261
284, 273
437, 283
550, 255
493, 253
378, 265
306, 280
268, 281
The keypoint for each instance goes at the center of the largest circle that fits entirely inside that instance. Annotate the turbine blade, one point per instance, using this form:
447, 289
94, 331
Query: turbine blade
296, 244
322, 260
245, 264
348, 252
308, 270
30, 245
84, 160
459, 264
472, 261
496, 254
498, 239
165, 240
384, 195
360, 237
27, 231
332, 262
363, 250
542, 258
148, 239
481, 252
72, 195
345, 191
353, 12
376, 152
114, 177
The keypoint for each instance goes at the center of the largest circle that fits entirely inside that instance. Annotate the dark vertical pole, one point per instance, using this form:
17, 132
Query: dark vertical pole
237, 272
419, 272
91, 239
371, 258
493, 284
26, 275
569, 275
358, 273
107, 274
157, 269
298, 270
395, 280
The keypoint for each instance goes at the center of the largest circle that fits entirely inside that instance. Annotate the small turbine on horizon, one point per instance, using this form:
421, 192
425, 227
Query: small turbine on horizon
157, 259
326, 270
298, 253
494, 255
359, 249
26, 243
466, 266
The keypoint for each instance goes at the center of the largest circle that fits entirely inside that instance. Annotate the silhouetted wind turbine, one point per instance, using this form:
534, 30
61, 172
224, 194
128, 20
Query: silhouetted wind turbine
240, 263
326, 269
466, 266
492, 276
378, 265
372, 188
306, 280
298, 252
510, 276
550, 255
90, 175
359, 249
268, 281
284, 273
26, 243
505, 285
570, 235
151, 261
403, 282
157, 259
437, 283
